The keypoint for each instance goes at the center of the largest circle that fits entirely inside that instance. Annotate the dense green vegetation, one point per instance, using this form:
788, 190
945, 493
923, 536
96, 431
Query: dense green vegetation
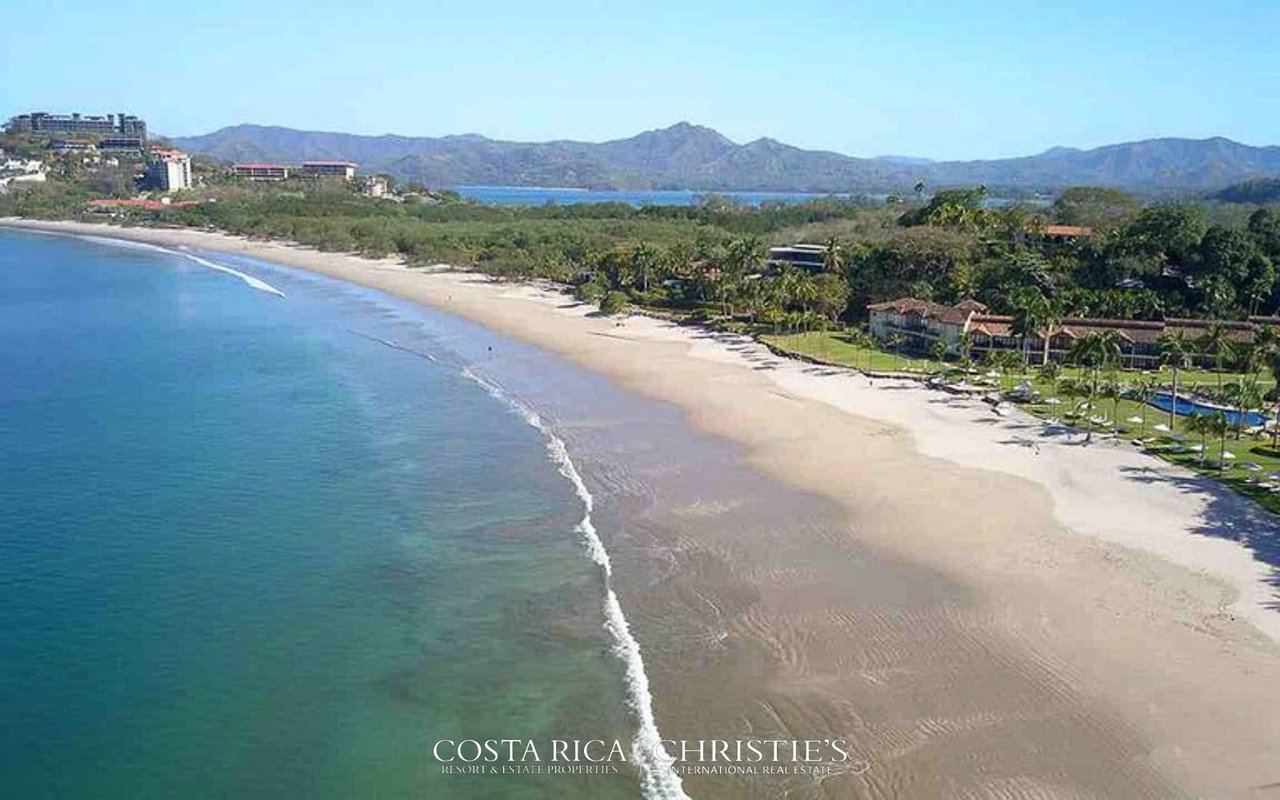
1256, 191
1144, 262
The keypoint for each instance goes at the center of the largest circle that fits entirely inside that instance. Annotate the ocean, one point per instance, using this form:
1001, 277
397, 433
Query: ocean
268, 534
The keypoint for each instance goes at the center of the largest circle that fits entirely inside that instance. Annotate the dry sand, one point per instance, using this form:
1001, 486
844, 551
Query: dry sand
1113, 579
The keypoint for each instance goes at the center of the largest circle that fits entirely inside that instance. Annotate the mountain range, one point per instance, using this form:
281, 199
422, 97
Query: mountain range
687, 156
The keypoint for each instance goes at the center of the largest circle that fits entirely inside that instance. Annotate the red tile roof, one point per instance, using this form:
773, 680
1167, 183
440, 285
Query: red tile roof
1136, 331
910, 306
1064, 230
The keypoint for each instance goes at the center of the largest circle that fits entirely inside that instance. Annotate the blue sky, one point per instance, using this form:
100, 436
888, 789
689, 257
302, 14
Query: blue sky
939, 79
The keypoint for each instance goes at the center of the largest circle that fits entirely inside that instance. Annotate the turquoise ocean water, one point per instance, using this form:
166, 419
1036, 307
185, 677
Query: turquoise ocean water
249, 549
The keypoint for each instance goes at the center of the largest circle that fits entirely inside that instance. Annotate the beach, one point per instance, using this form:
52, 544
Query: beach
1082, 621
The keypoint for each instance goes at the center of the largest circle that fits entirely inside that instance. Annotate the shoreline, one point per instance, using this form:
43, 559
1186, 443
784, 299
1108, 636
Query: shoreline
1113, 565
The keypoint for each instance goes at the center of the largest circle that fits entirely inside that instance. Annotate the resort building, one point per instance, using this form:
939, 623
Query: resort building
40, 122
262, 172
66, 146
1060, 234
330, 169
374, 186
169, 170
121, 144
811, 257
917, 324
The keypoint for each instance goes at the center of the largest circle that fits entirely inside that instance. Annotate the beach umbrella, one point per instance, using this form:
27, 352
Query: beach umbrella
1227, 454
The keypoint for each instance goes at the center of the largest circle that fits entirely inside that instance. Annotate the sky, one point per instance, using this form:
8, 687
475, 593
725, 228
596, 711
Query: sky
944, 80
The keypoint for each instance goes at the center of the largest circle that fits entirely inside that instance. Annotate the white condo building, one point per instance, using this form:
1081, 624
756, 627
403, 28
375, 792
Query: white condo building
169, 170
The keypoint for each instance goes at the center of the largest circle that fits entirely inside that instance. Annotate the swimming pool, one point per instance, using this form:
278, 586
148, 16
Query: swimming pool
1188, 407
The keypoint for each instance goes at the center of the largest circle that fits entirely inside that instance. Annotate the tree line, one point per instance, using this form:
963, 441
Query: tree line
1139, 262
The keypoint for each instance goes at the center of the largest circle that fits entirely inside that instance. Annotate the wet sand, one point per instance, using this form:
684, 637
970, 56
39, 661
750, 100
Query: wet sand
980, 617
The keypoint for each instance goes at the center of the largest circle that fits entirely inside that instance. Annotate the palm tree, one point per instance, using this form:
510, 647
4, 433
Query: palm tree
1036, 315
1218, 425
1142, 393
966, 350
805, 293
1275, 420
1028, 319
1174, 351
833, 259
1113, 391
939, 351
1004, 361
895, 341
1242, 395
1267, 340
1050, 318
1051, 373
1094, 352
1203, 425
644, 261
1217, 343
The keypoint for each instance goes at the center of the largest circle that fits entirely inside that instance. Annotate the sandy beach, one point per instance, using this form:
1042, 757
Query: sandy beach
1109, 595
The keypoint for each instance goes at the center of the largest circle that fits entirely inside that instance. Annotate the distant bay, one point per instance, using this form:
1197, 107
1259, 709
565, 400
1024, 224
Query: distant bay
542, 195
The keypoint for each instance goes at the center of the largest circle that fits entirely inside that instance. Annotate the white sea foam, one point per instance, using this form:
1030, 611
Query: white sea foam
657, 780
256, 283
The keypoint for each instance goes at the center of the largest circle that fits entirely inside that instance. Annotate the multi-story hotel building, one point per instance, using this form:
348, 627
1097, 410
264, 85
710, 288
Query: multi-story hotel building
261, 172
330, 169
79, 125
169, 170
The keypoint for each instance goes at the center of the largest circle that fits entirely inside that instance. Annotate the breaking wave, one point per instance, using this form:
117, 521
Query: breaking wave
657, 780
251, 281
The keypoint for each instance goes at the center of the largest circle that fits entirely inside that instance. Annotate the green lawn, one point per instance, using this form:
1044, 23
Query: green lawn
840, 348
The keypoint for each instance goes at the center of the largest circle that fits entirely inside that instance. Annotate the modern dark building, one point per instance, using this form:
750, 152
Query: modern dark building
121, 144
124, 125
330, 169
811, 257
262, 172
